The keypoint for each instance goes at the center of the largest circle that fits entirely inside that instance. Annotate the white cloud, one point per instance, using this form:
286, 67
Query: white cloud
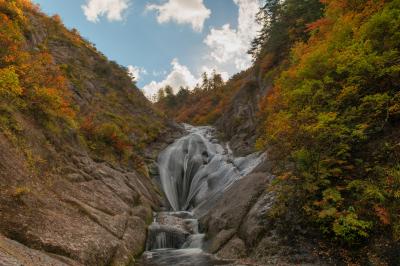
135, 72
179, 76
112, 9
191, 12
210, 70
228, 45
159, 73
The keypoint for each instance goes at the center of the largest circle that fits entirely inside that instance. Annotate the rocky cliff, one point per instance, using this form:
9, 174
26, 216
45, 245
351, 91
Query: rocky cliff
239, 119
237, 228
74, 139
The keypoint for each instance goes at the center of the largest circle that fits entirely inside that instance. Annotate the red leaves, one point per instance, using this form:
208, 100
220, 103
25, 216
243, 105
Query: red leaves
382, 214
319, 24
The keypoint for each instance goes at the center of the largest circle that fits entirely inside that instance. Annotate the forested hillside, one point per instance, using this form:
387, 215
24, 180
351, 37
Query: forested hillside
75, 134
332, 119
323, 99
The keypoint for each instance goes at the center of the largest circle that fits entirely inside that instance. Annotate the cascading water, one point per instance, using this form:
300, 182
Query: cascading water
194, 171
195, 168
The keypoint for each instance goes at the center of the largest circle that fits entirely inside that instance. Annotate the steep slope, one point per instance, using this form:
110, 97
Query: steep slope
75, 135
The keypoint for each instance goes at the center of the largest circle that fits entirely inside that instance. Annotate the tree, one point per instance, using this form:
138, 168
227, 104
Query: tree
160, 95
182, 95
170, 98
283, 24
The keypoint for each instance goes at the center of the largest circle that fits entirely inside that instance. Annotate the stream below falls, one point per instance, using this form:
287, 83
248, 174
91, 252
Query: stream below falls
195, 171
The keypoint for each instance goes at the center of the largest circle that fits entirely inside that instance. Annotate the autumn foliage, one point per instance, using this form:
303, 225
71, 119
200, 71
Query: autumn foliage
332, 123
204, 104
30, 80
58, 81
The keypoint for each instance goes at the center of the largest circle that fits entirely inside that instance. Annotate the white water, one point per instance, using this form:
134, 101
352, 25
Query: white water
194, 171
196, 167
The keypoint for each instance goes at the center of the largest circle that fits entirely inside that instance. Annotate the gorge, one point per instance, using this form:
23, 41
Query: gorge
292, 161
195, 171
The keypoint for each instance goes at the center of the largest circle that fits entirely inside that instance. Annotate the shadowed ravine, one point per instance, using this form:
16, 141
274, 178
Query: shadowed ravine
194, 172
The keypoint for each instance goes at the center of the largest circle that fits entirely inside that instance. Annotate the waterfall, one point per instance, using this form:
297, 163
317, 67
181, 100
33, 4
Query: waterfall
194, 171
196, 167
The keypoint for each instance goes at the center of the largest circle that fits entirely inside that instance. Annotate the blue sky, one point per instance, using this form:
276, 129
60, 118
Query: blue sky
165, 41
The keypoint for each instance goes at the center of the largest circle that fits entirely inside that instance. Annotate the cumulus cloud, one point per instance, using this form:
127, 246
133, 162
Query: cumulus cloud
191, 12
179, 76
135, 72
210, 70
113, 10
228, 45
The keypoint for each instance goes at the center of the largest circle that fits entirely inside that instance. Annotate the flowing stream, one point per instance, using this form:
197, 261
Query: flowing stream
195, 171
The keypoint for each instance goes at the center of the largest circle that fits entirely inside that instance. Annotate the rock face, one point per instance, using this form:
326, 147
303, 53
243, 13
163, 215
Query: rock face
88, 212
239, 120
237, 228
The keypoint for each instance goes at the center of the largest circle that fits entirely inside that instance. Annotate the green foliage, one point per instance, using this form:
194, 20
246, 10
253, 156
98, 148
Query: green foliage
332, 123
9, 84
350, 228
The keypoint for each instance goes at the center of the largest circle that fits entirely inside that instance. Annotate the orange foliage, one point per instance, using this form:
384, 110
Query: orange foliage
44, 85
382, 214
317, 25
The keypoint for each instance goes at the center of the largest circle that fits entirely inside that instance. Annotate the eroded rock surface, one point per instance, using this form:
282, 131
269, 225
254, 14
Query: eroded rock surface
237, 228
74, 211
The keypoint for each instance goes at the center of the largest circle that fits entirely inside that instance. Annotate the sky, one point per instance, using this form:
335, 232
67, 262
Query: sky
165, 42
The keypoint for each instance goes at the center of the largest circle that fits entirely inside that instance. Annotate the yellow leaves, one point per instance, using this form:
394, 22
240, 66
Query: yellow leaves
9, 84
347, 93
332, 195
279, 124
350, 227
327, 213
44, 87
10, 39
285, 176
396, 194
327, 118
20, 191
50, 103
